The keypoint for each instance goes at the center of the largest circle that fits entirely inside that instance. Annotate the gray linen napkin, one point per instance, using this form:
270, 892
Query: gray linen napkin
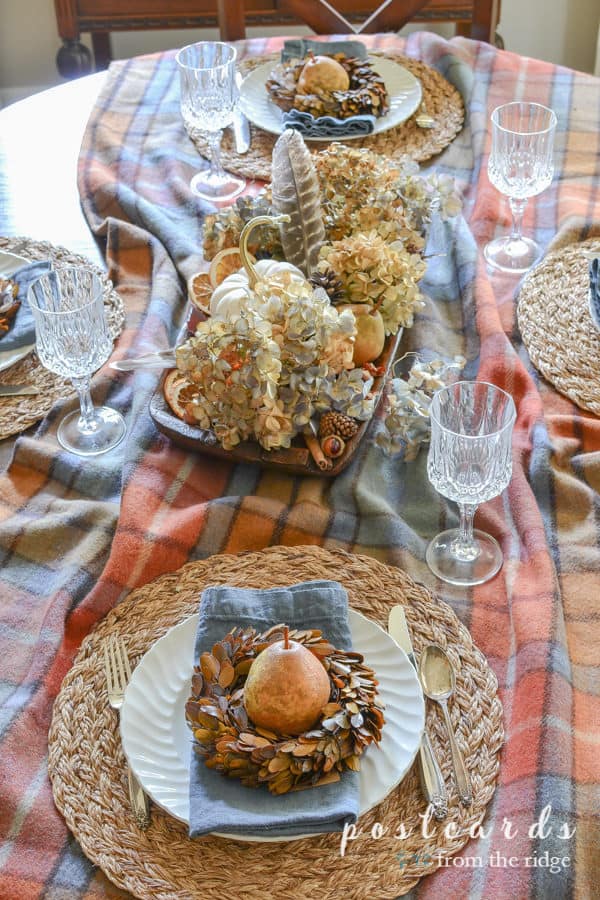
298, 48
328, 126
595, 290
22, 331
224, 805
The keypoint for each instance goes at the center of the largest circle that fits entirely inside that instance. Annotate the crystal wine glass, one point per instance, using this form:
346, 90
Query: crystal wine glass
469, 462
209, 94
520, 165
72, 339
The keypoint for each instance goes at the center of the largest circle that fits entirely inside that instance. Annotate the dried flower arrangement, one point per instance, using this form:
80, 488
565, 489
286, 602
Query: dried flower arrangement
294, 334
230, 743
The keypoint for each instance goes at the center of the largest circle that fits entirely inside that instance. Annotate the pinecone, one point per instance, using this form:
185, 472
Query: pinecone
330, 283
337, 423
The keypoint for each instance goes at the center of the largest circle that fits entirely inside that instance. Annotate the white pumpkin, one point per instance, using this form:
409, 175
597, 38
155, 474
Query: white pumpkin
234, 294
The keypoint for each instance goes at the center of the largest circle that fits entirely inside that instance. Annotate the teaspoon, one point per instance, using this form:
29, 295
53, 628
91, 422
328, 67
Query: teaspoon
437, 678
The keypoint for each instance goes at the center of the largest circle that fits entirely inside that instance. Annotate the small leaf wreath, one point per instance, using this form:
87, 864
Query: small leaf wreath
367, 93
229, 742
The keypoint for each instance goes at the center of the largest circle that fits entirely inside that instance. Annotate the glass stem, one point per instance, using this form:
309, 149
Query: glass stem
517, 208
214, 145
88, 415
465, 547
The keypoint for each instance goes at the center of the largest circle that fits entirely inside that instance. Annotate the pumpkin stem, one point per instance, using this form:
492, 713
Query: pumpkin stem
253, 276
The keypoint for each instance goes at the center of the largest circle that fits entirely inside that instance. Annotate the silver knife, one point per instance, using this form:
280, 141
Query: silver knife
15, 390
240, 124
159, 359
432, 780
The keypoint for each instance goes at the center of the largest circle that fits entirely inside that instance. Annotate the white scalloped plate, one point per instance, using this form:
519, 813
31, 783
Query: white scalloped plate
403, 88
9, 263
157, 741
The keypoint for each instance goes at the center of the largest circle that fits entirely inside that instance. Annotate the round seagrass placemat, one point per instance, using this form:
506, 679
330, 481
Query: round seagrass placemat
87, 766
18, 413
557, 327
440, 99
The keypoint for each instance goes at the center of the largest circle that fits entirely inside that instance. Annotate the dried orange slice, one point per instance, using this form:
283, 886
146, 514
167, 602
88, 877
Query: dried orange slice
199, 291
225, 263
172, 386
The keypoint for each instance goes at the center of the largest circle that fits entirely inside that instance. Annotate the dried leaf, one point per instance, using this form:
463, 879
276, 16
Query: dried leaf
210, 666
253, 740
305, 749
227, 674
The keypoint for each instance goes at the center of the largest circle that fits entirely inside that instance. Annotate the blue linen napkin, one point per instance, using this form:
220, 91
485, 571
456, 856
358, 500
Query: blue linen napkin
328, 126
224, 804
22, 331
595, 290
298, 48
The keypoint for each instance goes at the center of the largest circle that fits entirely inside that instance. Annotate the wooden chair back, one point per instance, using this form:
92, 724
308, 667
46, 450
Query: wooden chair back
477, 19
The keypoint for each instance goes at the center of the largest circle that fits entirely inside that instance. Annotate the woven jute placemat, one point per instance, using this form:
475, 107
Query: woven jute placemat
557, 327
18, 413
440, 99
87, 766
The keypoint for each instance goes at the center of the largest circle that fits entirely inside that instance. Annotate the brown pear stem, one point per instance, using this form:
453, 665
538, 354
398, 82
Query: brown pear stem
376, 305
286, 637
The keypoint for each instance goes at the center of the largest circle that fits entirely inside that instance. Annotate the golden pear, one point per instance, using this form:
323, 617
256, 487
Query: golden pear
370, 332
286, 688
322, 73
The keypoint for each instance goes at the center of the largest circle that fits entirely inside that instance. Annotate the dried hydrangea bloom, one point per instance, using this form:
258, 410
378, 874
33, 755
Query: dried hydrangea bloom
380, 273
406, 424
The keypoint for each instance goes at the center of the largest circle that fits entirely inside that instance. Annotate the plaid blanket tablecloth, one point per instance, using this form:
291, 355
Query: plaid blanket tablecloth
76, 536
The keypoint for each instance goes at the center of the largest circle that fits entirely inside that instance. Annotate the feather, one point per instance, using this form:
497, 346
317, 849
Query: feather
295, 189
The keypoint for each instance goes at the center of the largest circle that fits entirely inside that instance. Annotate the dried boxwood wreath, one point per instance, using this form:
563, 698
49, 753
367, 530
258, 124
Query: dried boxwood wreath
230, 743
367, 94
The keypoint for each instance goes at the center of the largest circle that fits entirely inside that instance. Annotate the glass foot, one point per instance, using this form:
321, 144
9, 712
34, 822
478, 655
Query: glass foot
464, 569
217, 188
512, 254
105, 432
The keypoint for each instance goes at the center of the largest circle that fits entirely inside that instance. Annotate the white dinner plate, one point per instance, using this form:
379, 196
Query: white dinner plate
9, 263
157, 741
403, 88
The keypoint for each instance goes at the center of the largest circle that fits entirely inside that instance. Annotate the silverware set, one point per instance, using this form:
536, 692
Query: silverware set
118, 673
437, 679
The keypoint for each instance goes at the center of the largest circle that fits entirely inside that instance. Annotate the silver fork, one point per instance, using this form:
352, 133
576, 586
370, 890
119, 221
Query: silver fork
118, 673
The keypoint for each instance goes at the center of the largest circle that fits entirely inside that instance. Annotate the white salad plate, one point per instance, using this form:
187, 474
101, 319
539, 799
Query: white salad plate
158, 743
403, 88
9, 263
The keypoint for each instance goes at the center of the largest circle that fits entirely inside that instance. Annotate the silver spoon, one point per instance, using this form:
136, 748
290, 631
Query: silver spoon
437, 678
